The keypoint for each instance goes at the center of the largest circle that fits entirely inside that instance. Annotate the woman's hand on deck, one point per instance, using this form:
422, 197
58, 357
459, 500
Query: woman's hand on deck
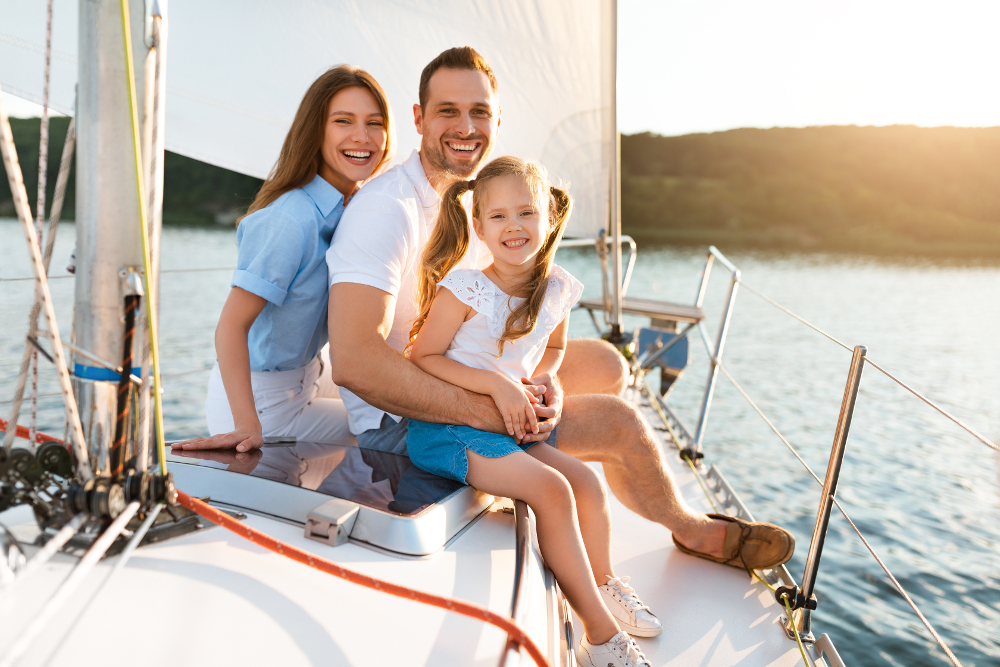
234, 461
515, 401
242, 440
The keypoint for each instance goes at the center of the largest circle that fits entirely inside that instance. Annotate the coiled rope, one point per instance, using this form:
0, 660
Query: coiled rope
306, 558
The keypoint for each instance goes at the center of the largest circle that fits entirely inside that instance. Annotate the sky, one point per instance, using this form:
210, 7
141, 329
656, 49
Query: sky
706, 65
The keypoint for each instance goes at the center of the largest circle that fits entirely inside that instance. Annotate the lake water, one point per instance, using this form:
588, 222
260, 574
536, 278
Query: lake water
925, 494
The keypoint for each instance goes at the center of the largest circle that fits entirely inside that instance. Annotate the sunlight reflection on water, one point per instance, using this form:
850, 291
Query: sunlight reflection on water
925, 493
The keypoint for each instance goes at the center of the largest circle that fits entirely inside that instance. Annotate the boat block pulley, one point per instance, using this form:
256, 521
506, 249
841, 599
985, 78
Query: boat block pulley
795, 598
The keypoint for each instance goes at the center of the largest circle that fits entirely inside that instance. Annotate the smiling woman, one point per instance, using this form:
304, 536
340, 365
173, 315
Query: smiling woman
268, 379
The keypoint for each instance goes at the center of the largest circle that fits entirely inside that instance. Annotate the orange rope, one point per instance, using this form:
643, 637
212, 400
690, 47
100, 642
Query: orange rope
458, 606
22, 432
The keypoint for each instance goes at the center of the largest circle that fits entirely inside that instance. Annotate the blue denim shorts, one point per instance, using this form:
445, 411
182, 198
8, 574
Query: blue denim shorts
440, 448
439, 441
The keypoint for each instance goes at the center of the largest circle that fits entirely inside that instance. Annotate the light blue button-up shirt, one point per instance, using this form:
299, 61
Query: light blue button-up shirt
282, 258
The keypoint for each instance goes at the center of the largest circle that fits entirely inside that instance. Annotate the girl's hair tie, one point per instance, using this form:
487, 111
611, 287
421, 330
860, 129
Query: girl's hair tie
472, 184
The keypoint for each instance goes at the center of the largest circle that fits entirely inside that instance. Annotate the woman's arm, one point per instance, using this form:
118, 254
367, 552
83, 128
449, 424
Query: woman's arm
233, 352
446, 315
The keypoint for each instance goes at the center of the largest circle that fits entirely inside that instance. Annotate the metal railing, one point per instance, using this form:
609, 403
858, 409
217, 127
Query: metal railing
801, 598
601, 245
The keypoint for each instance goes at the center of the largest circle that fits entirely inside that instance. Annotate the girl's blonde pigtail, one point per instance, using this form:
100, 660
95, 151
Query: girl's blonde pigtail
446, 247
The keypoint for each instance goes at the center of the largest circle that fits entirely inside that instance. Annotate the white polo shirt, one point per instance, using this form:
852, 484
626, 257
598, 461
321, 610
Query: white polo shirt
378, 243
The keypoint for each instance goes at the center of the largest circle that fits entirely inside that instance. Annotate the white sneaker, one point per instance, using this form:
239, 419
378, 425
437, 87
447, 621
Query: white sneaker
621, 651
633, 616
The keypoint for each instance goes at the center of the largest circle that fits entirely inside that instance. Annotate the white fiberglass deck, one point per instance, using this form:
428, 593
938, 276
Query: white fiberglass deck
712, 615
211, 598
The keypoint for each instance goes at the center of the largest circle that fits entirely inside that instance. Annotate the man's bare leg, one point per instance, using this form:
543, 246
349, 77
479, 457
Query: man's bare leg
608, 430
592, 366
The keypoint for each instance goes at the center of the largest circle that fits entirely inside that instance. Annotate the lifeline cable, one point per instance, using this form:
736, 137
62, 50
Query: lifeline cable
458, 606
670, 429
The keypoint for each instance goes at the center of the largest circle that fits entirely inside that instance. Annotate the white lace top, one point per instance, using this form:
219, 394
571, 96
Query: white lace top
475, 342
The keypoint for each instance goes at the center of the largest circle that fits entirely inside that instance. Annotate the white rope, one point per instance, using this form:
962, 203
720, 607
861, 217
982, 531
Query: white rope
143, 412
68, 587
51, 547
13, 168
36, 308
43, 169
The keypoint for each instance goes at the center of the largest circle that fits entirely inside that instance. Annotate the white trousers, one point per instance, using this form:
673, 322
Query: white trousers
304, 403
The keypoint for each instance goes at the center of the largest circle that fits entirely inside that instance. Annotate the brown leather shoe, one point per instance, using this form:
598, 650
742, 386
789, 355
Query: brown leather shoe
751, 545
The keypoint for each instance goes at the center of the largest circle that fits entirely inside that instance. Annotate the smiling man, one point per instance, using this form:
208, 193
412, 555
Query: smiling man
373, 264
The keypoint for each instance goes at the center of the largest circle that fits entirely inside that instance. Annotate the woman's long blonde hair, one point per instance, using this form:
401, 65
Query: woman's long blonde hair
301, 154
450, 241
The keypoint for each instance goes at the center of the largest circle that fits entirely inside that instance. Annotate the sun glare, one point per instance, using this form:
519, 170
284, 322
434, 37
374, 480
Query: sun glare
695, 67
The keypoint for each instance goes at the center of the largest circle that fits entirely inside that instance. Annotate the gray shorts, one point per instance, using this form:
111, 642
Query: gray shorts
390, 436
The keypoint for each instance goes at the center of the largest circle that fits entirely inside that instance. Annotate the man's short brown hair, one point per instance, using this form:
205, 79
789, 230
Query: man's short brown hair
460, 57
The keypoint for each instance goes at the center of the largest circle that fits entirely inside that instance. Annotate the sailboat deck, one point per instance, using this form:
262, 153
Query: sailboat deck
712, 614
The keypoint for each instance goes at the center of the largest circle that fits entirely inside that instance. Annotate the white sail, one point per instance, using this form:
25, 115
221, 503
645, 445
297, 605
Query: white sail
238, 70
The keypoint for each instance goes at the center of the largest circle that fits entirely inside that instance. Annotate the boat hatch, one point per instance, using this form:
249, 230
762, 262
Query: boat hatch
400, 508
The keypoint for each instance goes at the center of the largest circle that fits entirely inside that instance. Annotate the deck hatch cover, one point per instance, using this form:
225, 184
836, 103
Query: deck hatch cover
401, 507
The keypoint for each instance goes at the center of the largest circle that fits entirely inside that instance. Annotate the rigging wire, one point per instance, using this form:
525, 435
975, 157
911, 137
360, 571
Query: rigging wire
937, 638
151, 317
974, 433
162, 271
899, 588
769, 423
165, 375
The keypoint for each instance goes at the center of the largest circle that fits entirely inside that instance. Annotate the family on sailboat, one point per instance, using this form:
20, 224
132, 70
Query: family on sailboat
447, 329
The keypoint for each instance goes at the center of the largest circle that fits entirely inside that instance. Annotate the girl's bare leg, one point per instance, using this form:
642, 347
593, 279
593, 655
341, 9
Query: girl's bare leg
591, 507
548, 493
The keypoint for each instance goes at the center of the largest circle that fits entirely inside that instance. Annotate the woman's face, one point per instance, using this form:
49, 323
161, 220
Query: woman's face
354, 140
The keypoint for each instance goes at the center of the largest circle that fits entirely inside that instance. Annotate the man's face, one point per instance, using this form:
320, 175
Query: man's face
459, 123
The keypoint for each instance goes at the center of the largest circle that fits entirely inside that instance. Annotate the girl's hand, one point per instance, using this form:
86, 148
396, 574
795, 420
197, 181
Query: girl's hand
514, 401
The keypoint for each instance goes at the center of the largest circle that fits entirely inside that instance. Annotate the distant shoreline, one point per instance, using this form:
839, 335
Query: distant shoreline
897, 190
863, 242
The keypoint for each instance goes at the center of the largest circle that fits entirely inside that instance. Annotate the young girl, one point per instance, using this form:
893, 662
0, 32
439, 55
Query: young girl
488, 331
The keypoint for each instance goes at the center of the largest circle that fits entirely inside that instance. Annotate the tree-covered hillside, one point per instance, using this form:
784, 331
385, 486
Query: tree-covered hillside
193, 192
881, 189
899, 189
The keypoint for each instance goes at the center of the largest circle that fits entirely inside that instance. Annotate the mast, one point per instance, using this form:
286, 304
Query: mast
108, 252
616, 184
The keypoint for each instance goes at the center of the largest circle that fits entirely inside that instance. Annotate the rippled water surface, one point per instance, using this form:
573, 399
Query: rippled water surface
925, 494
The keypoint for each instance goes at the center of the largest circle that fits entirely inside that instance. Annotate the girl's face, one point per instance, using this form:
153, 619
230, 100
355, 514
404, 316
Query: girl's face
512, 224
354, 140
